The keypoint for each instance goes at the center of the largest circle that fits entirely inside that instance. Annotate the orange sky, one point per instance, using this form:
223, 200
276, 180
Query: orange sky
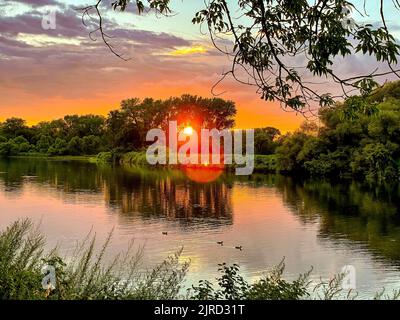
46, 74
252, 111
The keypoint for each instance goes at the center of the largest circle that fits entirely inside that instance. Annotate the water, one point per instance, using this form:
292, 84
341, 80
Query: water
310, 223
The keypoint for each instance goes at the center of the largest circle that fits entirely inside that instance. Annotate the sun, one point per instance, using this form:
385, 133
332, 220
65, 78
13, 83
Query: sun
188, 131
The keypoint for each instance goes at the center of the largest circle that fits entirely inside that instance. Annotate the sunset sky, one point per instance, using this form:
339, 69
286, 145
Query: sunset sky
46, 74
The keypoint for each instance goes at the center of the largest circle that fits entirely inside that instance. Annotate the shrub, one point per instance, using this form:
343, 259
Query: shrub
105, 157
59, 147
135, 158
267, 163
86, 275
232, 286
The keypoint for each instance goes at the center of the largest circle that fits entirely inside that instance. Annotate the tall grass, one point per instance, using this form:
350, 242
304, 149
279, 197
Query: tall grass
21, 252
86, 275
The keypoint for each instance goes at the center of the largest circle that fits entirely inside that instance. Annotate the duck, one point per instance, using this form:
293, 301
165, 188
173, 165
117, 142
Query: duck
239, 248
165, 233
220, 243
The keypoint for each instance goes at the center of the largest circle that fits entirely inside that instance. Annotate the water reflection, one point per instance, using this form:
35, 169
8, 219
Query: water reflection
135, 191
363, 214
311, 223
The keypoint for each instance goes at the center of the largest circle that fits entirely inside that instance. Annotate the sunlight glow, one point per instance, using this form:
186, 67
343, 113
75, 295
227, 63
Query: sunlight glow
188, 131
188, 51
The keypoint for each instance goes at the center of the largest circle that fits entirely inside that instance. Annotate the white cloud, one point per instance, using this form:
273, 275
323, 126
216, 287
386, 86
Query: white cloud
42, 40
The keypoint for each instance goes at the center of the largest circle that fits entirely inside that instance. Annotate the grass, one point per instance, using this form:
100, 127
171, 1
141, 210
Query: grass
134, 158
58, 158
87, 275
262, 163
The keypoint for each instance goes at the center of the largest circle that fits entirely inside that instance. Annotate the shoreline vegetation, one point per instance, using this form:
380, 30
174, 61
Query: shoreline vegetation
88, 275
359, 138
262, 163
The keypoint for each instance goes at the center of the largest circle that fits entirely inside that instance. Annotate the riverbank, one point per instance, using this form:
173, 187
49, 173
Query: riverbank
262, 163
91, 158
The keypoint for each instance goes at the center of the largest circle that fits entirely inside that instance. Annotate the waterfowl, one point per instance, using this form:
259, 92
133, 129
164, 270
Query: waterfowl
239, 248
165, 233
220, 243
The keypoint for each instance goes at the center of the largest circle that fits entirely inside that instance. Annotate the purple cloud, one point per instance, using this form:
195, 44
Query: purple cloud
37, 3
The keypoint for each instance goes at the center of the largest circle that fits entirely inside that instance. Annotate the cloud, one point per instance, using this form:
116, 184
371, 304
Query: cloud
68, 24
184, 51
49, 73
65, 63
37, 3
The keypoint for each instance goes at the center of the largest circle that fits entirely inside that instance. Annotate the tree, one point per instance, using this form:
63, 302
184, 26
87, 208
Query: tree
127, 127
275, 41
86, 125
265, 140
59, 147
44, 143
124, 125
289, 150
375, 161
55, 128
20, 144
201, 112
13, 127
91, 145
74, 146
6, 149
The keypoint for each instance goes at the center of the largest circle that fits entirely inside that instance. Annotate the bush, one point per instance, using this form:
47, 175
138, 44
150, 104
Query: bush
44, 143
21, 250
8, 149
91, 144
75, 146
134, 158
86, 276
232, 286
58, 148
105, 157
268, 163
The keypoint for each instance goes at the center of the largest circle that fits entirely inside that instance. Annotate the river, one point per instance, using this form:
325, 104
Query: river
309, 223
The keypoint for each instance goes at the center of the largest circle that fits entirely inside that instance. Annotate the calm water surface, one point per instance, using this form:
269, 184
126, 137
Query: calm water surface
318, 224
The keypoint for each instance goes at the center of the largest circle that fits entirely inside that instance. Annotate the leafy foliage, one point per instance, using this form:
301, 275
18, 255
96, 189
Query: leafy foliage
358, 138
276, 46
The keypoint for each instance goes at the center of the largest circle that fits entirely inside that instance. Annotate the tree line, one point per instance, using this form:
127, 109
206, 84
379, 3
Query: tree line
122, 130
359, 137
